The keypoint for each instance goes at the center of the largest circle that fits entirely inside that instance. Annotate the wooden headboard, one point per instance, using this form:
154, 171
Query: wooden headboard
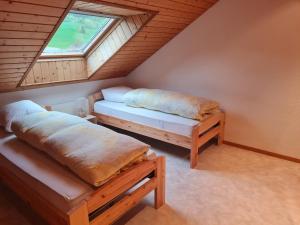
92, 99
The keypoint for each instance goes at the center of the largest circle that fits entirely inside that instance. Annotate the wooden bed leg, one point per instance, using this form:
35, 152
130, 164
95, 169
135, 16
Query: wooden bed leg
194, 149
79, 215
194, 156
221, 134
160, 189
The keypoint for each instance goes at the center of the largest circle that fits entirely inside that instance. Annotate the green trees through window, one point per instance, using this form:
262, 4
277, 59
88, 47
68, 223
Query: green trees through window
76, 32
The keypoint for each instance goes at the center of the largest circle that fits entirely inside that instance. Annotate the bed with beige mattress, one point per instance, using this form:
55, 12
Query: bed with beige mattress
72, 180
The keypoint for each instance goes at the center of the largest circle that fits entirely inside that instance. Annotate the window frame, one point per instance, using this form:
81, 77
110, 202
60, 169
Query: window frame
97, 38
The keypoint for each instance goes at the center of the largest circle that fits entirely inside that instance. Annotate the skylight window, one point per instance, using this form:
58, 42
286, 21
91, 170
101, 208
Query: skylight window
77, 33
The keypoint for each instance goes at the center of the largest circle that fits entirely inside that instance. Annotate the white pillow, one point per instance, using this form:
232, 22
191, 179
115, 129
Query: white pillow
15, 110
115, 94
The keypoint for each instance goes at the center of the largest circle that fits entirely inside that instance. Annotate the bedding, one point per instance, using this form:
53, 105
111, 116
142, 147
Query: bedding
17, 109
39, 172
168, 122
115, 94
93, 152
43, 174
172, 102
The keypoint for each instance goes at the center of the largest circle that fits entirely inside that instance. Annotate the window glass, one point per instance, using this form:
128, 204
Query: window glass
76, 32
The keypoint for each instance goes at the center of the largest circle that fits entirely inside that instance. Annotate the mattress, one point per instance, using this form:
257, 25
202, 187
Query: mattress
36, 170
168, 122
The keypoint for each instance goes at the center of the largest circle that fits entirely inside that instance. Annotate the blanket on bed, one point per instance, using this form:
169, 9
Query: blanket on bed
172, 102
93, 152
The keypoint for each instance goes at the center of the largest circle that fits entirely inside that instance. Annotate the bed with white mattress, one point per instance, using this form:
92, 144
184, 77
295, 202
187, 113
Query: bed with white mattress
175, 129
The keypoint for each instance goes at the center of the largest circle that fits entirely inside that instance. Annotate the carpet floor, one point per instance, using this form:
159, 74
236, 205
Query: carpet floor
229, 186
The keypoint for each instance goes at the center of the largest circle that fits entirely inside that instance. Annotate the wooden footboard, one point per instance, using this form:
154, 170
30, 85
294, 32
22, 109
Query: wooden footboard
108, 203
202, 133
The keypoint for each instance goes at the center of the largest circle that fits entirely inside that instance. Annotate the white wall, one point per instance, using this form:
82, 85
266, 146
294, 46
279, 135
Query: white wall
246, 55
58, 94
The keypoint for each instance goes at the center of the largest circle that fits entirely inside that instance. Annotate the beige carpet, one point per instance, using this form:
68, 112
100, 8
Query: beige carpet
229, 187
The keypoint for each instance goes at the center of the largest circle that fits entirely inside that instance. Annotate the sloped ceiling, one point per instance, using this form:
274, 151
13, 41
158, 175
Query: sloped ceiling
27, 25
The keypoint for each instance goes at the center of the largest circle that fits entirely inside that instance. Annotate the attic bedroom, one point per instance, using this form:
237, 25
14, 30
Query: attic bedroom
149, 112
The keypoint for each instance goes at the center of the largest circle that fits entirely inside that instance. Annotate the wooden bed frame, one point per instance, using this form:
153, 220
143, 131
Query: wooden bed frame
201, 134
108, 203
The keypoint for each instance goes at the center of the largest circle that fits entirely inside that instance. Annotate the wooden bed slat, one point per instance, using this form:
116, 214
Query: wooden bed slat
125, 204
124, 182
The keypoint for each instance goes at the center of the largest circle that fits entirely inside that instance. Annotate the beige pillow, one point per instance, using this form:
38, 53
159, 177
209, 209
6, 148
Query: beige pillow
15, 110
115, 94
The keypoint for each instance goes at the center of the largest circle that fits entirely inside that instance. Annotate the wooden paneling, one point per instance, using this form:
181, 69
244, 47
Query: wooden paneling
29, 27
114, 41
52, 71
171, 18
25, 26
105, 9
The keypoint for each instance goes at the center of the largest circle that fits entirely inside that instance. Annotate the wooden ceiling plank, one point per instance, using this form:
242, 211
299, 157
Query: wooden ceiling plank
126, 29
19, 48
4, 75
195, 3
54, 3
10, 6
7, 86
12, 26
15, 60
106, 9
15, 70
163, 24
27, 18
121, 34
9, 79
21, 42
131, 25
8, 55
178, 14
156, 5
155, 29
14, 65
169, 4
174, 19
23, 35
153, 34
